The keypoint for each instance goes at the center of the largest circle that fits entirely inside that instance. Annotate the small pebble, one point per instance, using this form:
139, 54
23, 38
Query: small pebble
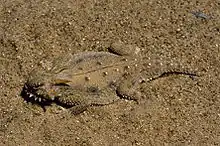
199, 14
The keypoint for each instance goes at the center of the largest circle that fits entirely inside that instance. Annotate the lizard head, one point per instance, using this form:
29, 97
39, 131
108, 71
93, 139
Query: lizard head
39, 87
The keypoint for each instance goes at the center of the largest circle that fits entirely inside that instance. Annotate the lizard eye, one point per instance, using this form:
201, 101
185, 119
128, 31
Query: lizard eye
61, 84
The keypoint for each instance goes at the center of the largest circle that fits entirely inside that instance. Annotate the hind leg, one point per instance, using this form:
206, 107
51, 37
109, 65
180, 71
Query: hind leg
127, 89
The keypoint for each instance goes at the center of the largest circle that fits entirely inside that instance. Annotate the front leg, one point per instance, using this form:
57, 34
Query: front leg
79, 100
123, 49
73, 99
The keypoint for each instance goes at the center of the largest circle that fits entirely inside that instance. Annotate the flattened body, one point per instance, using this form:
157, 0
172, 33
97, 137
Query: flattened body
83, 79
94, 69
96, 78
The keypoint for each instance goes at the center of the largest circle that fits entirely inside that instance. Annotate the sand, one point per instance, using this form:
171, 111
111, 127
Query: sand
177, 110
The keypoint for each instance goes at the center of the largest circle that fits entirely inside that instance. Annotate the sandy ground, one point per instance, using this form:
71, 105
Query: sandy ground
178, 110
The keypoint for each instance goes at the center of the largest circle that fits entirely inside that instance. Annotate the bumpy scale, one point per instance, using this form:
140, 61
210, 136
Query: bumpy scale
92, 78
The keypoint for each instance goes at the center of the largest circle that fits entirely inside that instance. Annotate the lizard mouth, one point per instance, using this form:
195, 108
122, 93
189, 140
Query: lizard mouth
36, 94
31, 94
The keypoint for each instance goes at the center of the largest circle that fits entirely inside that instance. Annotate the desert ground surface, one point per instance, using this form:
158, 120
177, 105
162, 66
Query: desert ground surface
177, 109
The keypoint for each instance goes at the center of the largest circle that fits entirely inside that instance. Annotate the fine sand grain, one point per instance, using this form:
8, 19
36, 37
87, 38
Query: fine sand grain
178, 110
